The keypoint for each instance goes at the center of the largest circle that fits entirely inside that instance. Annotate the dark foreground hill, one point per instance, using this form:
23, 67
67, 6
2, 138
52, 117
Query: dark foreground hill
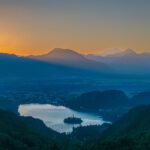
18, 133
131, 132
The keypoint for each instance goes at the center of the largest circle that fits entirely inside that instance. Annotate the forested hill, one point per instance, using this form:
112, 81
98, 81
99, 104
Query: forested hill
110, 99
131, 132
100, 100
19, 133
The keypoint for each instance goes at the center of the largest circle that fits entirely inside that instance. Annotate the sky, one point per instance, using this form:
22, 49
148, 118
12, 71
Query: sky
88, 26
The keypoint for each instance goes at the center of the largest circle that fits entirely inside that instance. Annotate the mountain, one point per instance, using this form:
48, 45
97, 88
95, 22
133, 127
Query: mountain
131, 132
126, 62
135, 121
71, 58
13, 66
97, 100
59, 55
109, 99
19, 133
126, 53
112, 56
111, 104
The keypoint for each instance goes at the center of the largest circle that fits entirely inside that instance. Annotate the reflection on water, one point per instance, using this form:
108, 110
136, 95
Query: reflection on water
53, 116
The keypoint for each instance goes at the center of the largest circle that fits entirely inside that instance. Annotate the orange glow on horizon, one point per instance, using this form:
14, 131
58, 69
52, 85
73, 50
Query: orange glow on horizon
40, 52
36, 27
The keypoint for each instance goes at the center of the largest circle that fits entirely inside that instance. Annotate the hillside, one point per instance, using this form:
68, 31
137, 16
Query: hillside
135, 121
25, 133
100, 100
71, 58
126, 62
131, 132
15, 67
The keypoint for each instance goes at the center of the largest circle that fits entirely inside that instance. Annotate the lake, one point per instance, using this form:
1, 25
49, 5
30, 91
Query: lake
53, 116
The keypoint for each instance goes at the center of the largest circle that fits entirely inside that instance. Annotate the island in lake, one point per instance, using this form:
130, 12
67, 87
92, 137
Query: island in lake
73, 120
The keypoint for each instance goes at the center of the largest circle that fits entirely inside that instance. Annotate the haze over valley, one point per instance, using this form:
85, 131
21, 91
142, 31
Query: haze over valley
74, 75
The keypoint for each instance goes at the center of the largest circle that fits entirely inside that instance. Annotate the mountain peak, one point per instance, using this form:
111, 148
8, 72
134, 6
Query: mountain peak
126, 52
63, 53
129, 51
71, 58
59, 55
62, 50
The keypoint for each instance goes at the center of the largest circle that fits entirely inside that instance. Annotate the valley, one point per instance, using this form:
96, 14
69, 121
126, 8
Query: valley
42, 93
74, 75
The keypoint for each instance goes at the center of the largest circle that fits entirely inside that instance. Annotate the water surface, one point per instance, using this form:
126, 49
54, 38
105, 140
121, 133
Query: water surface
53, 116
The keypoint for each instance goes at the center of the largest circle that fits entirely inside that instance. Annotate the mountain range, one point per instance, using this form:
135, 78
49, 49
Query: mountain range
126, 62
71, 58
13, 66
68, 63
57, 63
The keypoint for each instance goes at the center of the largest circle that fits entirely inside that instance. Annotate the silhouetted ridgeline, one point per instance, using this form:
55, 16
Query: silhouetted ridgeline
135, 121
126, 62
26, 67
100, 100
18, 133
71, 58
91, 101
68, 63
131, 132
113, 99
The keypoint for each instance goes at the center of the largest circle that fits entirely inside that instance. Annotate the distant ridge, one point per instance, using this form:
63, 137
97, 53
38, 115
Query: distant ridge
6, 56
13, 66
126, 62
126, 52
66, 62
60, 55
71, 58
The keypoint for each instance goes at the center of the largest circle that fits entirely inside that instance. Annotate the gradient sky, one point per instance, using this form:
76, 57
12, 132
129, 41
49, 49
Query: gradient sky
89, 26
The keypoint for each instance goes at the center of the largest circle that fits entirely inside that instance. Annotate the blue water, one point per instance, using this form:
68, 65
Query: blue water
53, 116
